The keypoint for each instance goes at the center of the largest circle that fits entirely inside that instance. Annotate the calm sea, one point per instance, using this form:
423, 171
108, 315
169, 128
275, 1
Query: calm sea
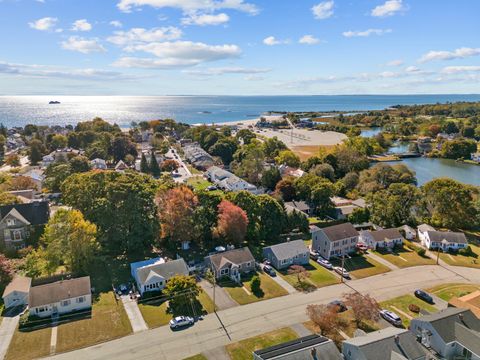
21, 110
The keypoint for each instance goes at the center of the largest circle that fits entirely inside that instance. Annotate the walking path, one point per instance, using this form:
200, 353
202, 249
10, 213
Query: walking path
250, 320
223, 300
382, 261
7, 329
134, 314
53, 339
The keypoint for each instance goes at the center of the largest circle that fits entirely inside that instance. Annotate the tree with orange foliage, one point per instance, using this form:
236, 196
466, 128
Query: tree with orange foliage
22, 183
176, 208
232, 223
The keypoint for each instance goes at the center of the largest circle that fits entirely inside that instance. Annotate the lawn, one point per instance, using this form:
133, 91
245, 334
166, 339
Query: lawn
361, 266
108, 321
196, 357
448, 291
319, 276
404, 257
401, 303
155, 313
460, 260
29, 344
269, 288
243, 349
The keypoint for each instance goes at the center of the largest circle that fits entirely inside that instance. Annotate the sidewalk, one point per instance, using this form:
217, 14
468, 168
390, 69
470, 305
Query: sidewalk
134, 314
382, 261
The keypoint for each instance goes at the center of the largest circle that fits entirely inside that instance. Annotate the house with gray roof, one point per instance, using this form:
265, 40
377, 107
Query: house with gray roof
453, 333
385, 238
311, 347
300, 206
154, 275
231, 263
286, 254
386, 344
228, 181
335, 241
444, 240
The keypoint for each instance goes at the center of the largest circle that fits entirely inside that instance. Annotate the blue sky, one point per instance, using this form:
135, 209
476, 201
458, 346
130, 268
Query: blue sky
238, 47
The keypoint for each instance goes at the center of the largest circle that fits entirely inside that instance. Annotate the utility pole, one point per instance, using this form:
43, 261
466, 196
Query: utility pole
343, 265
214, 286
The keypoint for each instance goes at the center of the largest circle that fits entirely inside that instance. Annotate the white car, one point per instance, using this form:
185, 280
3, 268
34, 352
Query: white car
325, 263
181, 321
391, 317
341, 271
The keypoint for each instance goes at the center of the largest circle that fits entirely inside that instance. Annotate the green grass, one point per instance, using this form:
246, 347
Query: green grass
243, 349
319, 276
460, 260
404, 257
449, 291
361, 266
196, 357
402, 303
29, 345
155, 313
269, 288
109, 321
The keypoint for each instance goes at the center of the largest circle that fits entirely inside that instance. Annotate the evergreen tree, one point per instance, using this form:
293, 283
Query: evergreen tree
154, 168
144, 168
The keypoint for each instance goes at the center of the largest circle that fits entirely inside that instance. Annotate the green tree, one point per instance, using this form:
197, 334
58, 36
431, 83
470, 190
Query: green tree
256, 286
248, 202
224, 148
271, 220
55, 175
320, 196
324, 170
36, 151
70, 240
154, 168
58, 141
272, 147
245, 135
206, 215
79, 164
144, 168
270, 178
121, 146
286, 189
458, 149
182, 292
287, 157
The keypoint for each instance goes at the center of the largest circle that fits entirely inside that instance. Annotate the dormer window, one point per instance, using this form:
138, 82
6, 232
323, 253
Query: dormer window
11, 222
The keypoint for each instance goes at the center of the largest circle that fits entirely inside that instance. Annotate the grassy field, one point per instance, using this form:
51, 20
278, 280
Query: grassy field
404, 257
196, 357
109, 321
319, 276
448, 291
460, 260
269, 288
155, 313
401, 303
243, 349
29, 345
361, 266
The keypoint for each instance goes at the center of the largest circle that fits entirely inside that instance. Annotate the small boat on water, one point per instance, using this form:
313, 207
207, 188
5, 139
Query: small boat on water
204, 112
54, 102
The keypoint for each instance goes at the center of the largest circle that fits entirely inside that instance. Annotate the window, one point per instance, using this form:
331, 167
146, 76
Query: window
224, 272
65, 303
249, 264
10, 222
17, 235
80, 299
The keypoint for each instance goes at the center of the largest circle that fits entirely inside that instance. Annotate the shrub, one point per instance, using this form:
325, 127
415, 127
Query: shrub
420, 251
255, 285
467, 252
414, 308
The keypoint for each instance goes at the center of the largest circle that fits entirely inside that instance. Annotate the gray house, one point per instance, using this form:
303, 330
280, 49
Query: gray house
231, 263
386, 344
287, 254
453, 333
335, 240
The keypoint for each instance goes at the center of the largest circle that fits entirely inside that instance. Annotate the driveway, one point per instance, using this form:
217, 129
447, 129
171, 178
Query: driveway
222, 298
7, 329
382, 261
283, 283
245, 321
134, 314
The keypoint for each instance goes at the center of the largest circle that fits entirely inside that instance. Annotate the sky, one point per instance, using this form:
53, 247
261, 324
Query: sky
239, 47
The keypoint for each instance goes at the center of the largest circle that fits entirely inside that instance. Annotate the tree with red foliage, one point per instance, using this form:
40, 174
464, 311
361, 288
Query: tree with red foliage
364, 307
176, 208
232, 222
6, 271
169, 165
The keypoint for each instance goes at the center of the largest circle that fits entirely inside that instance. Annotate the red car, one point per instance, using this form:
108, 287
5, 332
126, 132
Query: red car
362, 247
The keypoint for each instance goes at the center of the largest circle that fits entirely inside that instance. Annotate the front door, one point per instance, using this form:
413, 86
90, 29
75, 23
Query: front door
54, 310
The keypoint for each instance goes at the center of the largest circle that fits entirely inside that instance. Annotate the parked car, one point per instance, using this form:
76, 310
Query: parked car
391, 317
181, 321
314, 254
339, 305
266, 262
269, 270
341, 271
325, 263
211, 188
423, 296
362, 247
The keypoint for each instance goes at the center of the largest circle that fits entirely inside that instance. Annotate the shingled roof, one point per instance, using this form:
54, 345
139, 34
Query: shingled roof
450, 236
58, 291
236, 256
36, 213
340, 232
288, 250
386, 234
165, 270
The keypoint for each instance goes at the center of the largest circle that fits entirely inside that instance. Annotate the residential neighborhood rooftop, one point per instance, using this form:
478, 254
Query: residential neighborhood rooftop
59, 290
19, 283
289, 249
340, 232
450, 236
165, 270
382, 235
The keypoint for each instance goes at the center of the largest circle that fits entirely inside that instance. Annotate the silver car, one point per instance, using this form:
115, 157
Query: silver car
181, 321
391, 317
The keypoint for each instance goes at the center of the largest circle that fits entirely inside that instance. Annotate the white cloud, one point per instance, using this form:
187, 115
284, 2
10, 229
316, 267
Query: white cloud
82, 45
366, 33
206, 19
81, 25
271, 41
140, 35
460, 53
308, 40
254, 78
412, 69
397, 62
44, 24
177, 54
460, 69
323, 10
389, 8
227, 70
116, 23
191, 6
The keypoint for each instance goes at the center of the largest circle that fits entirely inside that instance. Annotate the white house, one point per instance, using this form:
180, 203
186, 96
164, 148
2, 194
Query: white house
476, 157
16, 293
336, 240
153, 277
60, 297
47, 160
386, 238
228, 181
98, 164
410, 232
445, 240
121, 166
422, 231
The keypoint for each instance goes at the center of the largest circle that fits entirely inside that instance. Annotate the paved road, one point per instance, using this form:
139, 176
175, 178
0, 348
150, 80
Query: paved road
253, 319
182, 169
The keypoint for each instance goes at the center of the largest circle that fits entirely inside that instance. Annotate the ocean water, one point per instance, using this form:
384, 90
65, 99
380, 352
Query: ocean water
21, 110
